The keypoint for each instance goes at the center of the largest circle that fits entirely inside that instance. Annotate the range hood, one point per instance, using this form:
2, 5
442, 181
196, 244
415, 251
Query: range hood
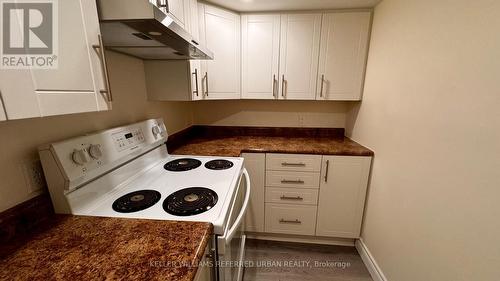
141, 29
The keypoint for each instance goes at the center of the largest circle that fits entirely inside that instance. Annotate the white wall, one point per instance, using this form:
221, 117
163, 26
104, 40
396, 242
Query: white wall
20, 138
431, 113
271, 113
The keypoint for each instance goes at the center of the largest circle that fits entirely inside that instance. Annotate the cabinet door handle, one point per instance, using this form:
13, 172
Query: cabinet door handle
162, 4
195, 73
321, 88
293, 164
292, 181
326, 170
275, 94
296, 221
283, 197
283, 85
104, 67
206, 84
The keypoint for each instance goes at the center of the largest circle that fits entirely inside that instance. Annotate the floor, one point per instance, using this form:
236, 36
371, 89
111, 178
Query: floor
281, 261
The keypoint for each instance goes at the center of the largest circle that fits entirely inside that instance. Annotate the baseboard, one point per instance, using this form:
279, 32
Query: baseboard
301, 239
369, 261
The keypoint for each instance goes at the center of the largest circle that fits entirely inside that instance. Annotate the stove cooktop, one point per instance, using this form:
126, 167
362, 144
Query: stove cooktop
222, 184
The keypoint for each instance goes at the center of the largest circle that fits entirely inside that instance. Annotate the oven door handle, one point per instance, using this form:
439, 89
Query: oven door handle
230, 233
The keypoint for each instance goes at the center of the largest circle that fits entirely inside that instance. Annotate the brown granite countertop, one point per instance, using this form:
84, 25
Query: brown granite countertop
96, 248
235, 145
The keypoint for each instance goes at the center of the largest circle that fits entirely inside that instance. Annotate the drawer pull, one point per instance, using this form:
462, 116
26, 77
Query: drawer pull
296, 221
293, 164
291, 198
326, 170
292, 181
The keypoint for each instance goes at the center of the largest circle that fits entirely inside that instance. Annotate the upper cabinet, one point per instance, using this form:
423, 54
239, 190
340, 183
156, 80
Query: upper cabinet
79, 83
342, 60
299, 50
290, 56
173, 80
178, 80
220, 32
304, 56
260, 56
182, 80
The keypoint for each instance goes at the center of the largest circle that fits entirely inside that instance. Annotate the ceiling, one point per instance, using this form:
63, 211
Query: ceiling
283, 5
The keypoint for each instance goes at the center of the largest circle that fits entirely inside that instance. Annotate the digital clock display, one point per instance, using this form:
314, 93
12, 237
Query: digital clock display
128, 136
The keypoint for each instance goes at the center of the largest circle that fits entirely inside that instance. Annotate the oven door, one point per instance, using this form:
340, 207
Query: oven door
231, 246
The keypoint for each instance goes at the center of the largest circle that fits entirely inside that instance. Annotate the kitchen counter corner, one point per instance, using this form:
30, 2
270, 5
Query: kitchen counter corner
97, 248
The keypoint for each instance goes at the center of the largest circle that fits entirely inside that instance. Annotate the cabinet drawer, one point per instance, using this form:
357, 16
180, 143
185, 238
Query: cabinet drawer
293, 162
299, 196
290, 219
292, 179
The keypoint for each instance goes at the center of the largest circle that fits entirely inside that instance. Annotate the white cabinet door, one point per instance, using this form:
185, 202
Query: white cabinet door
299, 53
179, 9
193, 20
220, 30
18, 94
342, 196
71, 87
343, 52
75, 85
99, 66
254, 218
260, 56
173, 80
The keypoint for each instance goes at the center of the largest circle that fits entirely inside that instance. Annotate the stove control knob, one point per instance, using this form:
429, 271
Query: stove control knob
156, 130
95, 151
80, 156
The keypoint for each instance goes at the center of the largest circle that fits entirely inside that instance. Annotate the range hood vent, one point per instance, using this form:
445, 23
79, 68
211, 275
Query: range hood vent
140, 29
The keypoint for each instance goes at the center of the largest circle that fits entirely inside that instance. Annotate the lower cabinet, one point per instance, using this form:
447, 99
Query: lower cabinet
342, 196
254, 217
205, 270
309, 195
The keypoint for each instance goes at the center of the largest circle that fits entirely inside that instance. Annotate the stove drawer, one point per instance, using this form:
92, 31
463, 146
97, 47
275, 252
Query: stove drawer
290, 219
299, 196
293, 162
292, 179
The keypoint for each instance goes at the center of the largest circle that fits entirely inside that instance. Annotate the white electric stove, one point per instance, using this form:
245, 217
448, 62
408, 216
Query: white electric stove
127, 172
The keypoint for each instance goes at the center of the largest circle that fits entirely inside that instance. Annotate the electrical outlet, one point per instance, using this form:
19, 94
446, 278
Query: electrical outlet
33, 176
301, 120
